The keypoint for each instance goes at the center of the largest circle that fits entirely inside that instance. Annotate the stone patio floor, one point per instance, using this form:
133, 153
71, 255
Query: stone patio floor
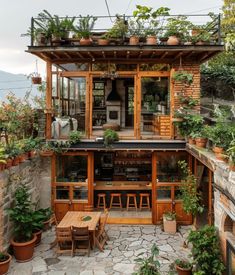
126, 242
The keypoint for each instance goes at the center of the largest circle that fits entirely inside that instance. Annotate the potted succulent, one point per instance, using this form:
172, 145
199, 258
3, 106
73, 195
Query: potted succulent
169, 222
68, 28
103, 40
183, 267
5, 260
83, 29
21, 214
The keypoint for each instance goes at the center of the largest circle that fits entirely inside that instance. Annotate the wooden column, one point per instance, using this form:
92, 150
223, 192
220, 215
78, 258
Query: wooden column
48, 100
210, 190
154, 180
138, 107
172, 104
88, 107
53, 186
90, 178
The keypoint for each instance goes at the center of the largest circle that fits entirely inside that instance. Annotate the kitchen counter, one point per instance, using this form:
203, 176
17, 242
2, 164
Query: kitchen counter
123, 185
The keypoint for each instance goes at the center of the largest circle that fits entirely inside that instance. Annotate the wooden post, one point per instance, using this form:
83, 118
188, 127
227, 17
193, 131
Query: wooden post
48, 100
154, 193
90, 178
210, 175
138, 107
172, 104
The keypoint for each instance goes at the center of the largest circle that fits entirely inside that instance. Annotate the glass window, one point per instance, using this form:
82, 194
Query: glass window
54, 85
80, 193
154, 67
164, 193
71, 169
167, 166
62, 193
178, 193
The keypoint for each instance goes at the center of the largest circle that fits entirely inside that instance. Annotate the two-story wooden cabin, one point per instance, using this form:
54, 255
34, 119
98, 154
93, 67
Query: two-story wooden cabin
128, 88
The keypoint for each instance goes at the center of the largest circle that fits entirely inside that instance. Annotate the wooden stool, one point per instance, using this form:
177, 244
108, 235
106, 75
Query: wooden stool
117, 204
142, 203
131, 204
101, 201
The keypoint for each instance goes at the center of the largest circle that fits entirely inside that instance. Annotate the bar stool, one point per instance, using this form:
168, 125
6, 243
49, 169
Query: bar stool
145, 204
130, 204
118, 203
101, 201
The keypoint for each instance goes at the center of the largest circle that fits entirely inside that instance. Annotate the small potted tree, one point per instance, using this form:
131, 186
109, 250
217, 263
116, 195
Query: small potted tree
169, 222
110, 136
21, 214
5, 260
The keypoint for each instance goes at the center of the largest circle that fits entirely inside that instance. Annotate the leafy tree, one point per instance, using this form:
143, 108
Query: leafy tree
228, 23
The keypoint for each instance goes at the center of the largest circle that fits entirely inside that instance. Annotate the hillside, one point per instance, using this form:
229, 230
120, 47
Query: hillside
19, 84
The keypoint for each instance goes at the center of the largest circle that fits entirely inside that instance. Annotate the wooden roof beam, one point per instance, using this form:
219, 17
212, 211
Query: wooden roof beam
103, 54
164, 55
127, 54
189, 54
140, 54
153, 54
115, 54
80, 55
67, 55
91, 56
204, 56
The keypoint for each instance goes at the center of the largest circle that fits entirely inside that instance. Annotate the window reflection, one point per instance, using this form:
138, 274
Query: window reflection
164, 193
62, 193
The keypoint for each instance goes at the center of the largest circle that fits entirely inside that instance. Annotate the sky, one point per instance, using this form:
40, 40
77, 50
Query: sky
15, 18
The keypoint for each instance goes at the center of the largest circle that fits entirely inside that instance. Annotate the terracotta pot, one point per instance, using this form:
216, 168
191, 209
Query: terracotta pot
134, 40
15, 161
201, 142
26, 156
31, 154
183, 271
200, 43
23, 252
151, 40
232, 167
21, 158
85, 41
4, 266
218, 152
9, 163
103, 41
39, 237
36, 80
46, 153
2, 166
191, 141
173, 40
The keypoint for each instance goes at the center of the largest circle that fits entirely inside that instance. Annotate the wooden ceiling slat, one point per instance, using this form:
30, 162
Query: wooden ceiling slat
164, 55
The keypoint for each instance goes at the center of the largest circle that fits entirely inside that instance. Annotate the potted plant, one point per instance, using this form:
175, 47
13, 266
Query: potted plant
135, 31
206, 251
84, 27
201, 136
169, 222
110, 136
37, 224
75, 137
150, 19
36, 78
68, 28
184, 77
5, 260
149, 264
202, 36
118, 31
177, 29
103, 40
21, 214
183, 267
46, 217
191, 199
231, 154
3, 158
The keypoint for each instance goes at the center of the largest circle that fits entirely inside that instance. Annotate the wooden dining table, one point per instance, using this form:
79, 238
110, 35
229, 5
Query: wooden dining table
75, 218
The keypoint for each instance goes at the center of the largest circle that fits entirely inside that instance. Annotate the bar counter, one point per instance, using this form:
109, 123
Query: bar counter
122, 185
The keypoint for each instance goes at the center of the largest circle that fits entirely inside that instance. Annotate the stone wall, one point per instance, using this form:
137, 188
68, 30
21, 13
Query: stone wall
35, 174
224, 193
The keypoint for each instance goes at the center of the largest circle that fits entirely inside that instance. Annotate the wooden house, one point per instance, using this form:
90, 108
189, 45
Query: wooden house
129, 88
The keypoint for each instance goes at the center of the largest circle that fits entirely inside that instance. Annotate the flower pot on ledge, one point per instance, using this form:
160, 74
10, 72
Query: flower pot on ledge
201, 142
219, 151
46, 153
4, 265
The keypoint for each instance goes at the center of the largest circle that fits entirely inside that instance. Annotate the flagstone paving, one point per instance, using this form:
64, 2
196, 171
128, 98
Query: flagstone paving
118, 258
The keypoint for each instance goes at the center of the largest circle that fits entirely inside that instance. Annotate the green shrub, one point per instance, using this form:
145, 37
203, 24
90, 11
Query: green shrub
110, 136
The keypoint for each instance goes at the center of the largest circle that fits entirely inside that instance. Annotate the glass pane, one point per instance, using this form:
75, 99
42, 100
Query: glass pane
54, 85
154, 67
80, 193
62, 193
71, 169
155, 103
65, 87
164, 193
75, 66
167, 166
178, 193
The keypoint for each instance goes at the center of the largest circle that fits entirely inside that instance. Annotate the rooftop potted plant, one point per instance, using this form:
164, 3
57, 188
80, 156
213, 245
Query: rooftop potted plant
118, 31
5, 260
110, 136
201, 136
169, 222
183, 267
150, 19
83, 29
135, 31
21, 214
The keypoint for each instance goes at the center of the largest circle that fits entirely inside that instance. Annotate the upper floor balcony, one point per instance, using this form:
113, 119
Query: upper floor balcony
124, 38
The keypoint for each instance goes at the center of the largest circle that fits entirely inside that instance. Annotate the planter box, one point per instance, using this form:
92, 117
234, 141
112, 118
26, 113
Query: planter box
169, 226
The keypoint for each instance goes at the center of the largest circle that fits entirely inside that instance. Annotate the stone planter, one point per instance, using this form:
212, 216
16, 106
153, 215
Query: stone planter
23, 252
201, 142
4, 266
169, 226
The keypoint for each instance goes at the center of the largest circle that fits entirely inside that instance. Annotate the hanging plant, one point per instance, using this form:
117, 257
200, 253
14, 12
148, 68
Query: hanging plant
183, 77
35, 76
